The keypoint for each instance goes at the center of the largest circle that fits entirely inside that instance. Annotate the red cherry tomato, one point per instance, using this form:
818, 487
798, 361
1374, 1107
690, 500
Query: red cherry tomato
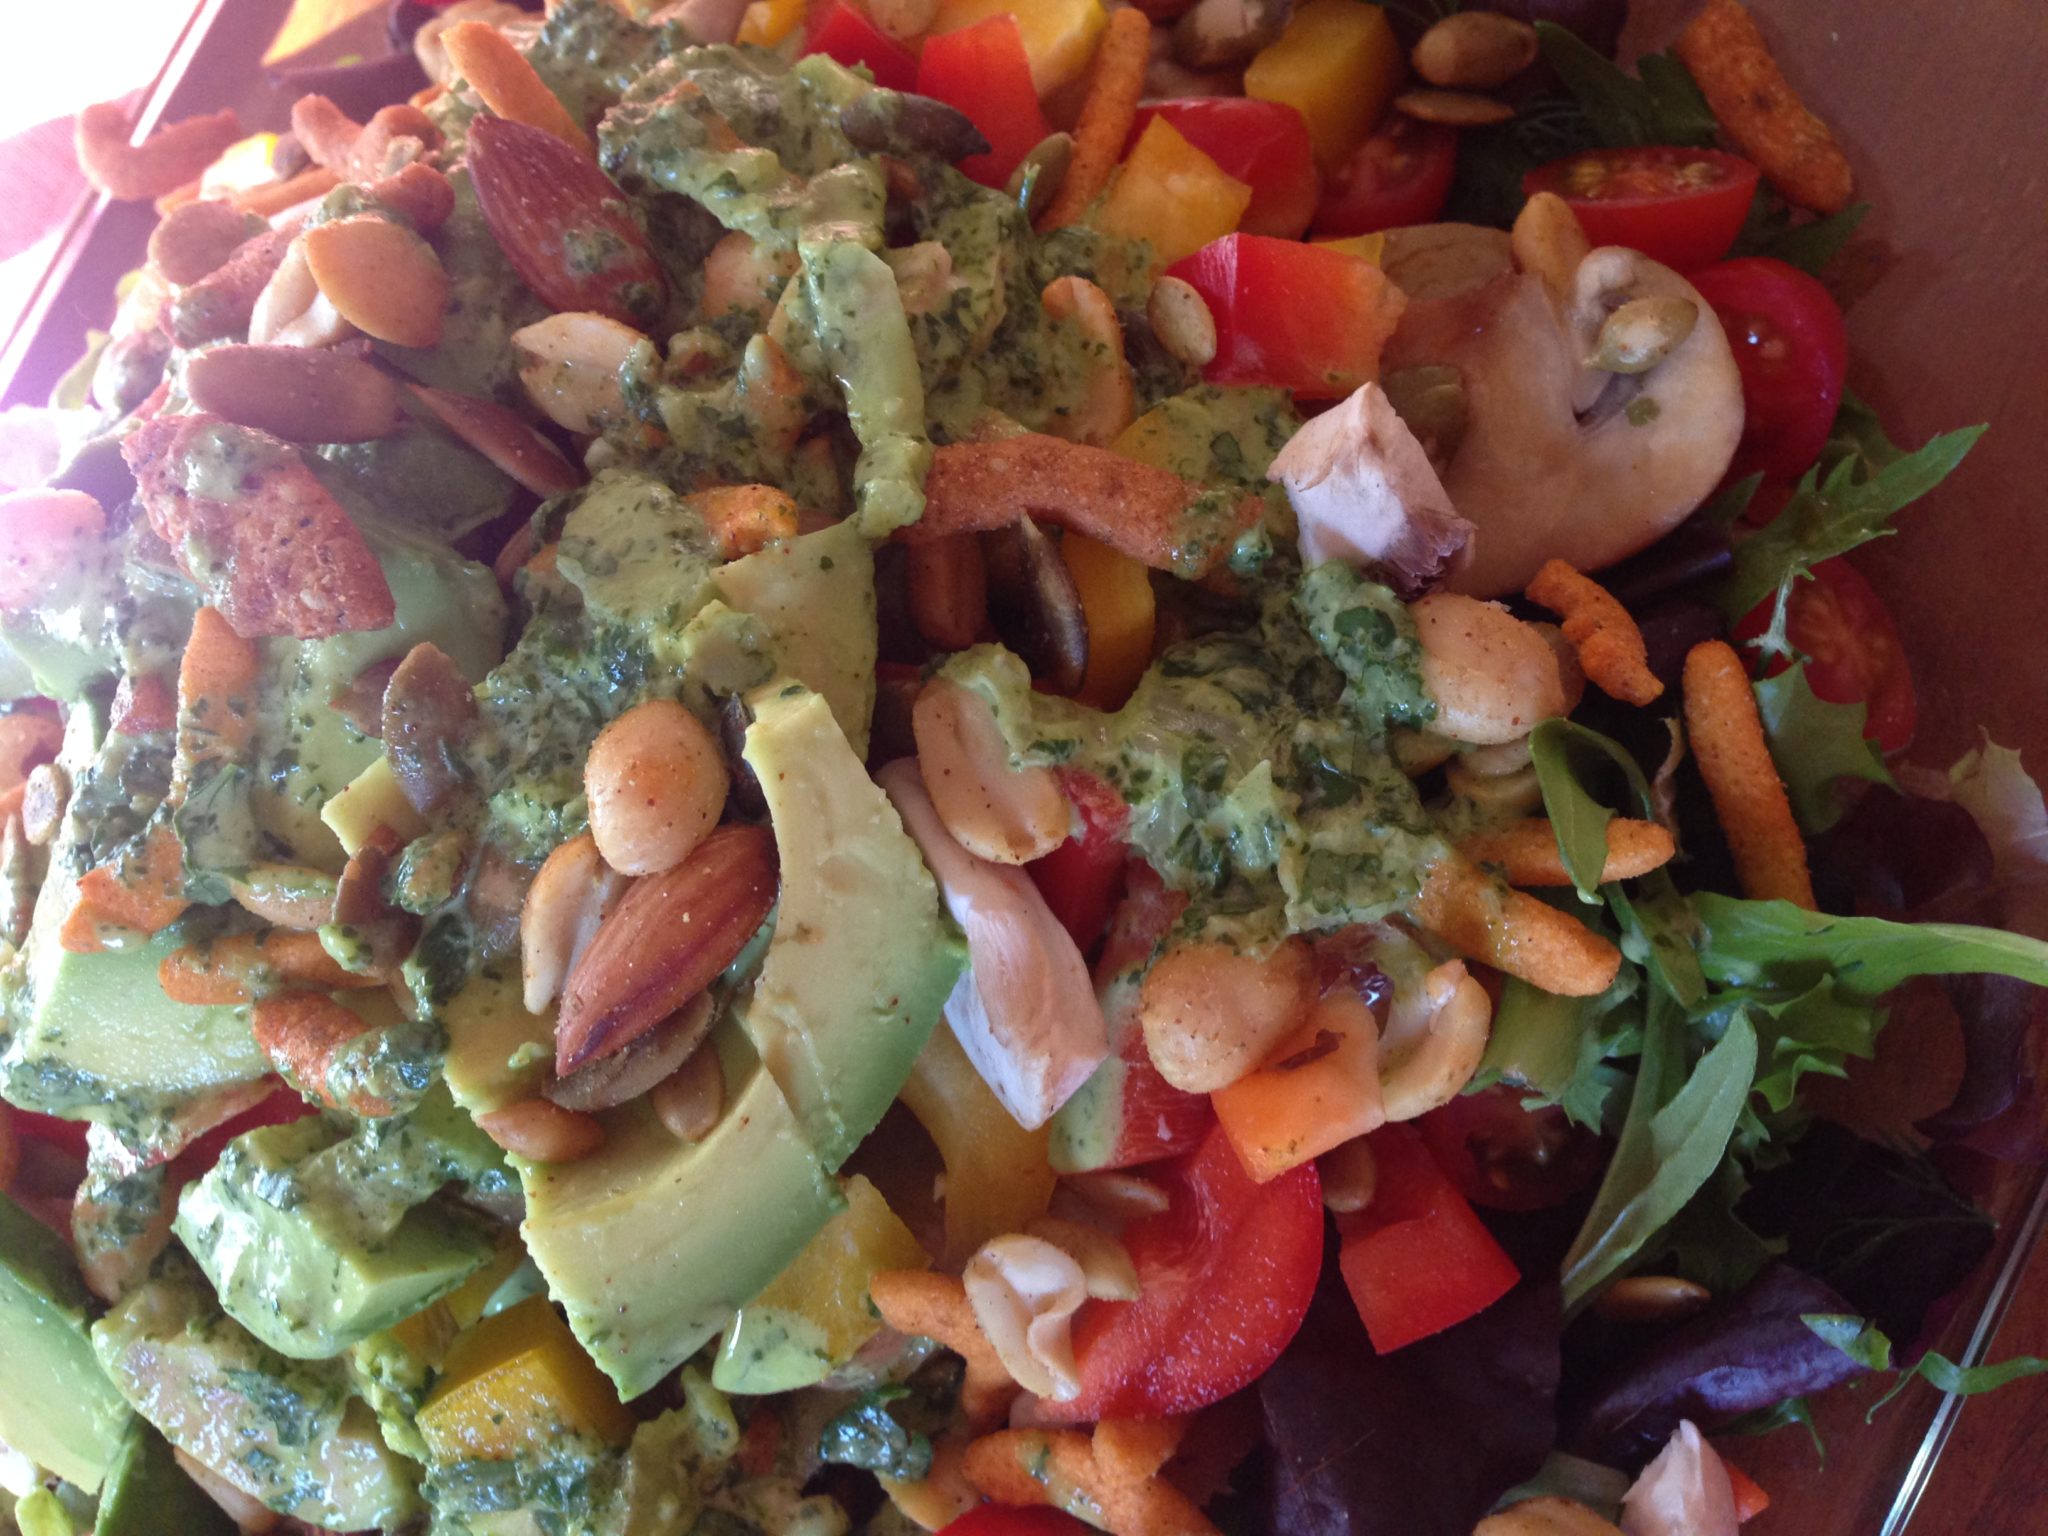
1508, 1158
1082, 879
1225, 1273
1683, 207
1399, 176
1416, 1260
843, 32
1852, 649
984, 71
1008, 1520
1793, 352
1264, 144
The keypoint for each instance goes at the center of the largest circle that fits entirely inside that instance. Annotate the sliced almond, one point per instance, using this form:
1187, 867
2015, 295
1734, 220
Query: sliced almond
569, 365
644, 1064
381, 278
196, 238
296, 393
666, 940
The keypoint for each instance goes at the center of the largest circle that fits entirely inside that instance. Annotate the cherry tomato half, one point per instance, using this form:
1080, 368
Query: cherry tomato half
1225, 1276
1508, 1158
1683, 207
1852, 649
1399, 176
1793, 352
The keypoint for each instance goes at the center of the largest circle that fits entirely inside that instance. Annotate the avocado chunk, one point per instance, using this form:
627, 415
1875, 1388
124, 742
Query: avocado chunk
815, 598
286, 1432
315, 1240
56, 1407
147, 1492
863, 956
652, 1244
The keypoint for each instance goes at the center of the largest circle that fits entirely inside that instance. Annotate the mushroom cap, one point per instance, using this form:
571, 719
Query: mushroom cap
1539, 479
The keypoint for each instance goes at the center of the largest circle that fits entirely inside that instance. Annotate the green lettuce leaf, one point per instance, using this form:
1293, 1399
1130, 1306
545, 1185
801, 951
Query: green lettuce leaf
1558, 1049
1777, 945
1679, 1124
1773, 231
1660, 104
1846, 500
1816, 745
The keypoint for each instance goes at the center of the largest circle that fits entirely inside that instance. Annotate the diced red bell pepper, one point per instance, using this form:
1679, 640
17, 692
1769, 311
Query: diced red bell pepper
1010, 1520
1417, 1260
1083, 878
1306, 318
984, 72
1264, 144
842, 31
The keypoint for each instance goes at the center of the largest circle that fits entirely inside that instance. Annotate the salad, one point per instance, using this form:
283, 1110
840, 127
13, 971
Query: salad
929, 764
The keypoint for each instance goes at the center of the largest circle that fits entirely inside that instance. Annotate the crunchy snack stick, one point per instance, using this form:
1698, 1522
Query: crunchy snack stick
1106, 116
1526, 852
1152, 515
1728, 743
164, 162
1610, 646
934, 1306
1112, 1482
1484, 920
1756, 105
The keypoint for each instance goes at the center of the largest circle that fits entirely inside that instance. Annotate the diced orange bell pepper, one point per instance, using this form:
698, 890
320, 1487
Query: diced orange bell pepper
1170, 193
998, 1175
514, 1384
432, 1332
1320, 1089
1339, 64
768, 22
1059, 35
821, 1299
1116, 599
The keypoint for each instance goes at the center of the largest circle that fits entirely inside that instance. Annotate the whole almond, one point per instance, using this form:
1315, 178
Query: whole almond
566, 229
300, 394
381, 277
637, 1068
666, 940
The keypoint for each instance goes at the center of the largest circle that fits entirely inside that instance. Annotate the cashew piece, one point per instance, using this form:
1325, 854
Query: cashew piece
1024, 1292
1433, 1041
997, 812
1494, 678
564, 906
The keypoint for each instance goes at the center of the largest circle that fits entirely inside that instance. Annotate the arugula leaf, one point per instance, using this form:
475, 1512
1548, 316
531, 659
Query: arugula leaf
1865, 1343
1724, 510
1661, 104
1817, 1030
1709, 1242
1775, 944
1558, 1048
1772, 230
1677, 1129
1815, 744
1794, 1410
1835, 511
1579, 820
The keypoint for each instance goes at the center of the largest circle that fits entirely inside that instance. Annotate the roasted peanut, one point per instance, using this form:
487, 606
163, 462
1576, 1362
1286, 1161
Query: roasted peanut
690, 1100
1211, 1013
1475, 51
948, 591
564, 906
543, 1132
656, 782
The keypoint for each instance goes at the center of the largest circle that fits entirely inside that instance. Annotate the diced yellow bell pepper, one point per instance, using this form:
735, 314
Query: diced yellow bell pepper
1116, 599
1365, 247
516, 1383
816, 1314
431, 1332
768, 22
1170, 193
1059, 35
998, 1175
1339, 64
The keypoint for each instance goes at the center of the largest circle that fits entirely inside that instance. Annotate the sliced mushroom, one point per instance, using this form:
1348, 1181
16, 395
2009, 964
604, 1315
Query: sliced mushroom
892, 122
1216, 34
1025, 1012
1035, 605
1559, 458
1363, 492
429, 711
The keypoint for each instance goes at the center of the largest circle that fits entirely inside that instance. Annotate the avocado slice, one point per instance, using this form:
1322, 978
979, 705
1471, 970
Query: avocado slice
56, 1406
147, 1492
286, 1432
314, 1241
653, 1244
863, 956
815, 598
